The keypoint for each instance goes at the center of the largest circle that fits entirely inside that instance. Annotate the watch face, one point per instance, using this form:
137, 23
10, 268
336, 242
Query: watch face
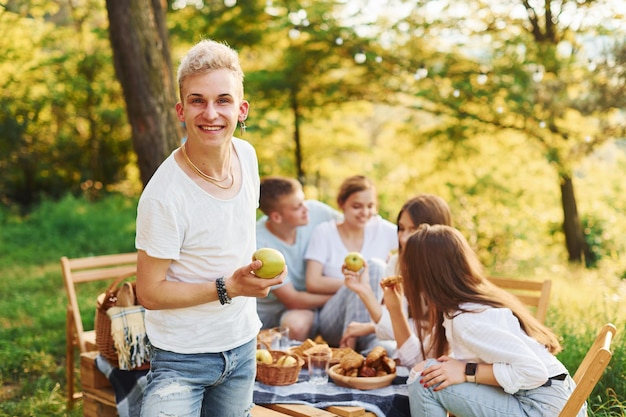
470, 368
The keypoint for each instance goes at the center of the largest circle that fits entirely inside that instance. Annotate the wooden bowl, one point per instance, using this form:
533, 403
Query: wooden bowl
359, 382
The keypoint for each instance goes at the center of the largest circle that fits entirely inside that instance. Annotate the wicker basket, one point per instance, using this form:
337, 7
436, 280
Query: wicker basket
102, 324
278, 374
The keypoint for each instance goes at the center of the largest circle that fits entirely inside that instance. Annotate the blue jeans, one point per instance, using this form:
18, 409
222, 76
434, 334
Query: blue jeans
201, 385
345, 307
476, 400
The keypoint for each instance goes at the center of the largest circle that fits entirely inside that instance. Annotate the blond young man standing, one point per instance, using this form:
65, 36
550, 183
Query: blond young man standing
287, 226
195, 238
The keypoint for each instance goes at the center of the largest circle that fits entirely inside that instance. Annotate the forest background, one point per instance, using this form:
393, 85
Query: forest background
511, 111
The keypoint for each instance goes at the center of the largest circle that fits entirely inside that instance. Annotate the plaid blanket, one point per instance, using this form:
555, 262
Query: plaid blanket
129, 336
392, 400
128, 387
388, 401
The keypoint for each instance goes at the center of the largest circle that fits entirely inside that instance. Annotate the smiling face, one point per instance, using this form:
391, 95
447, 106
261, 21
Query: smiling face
359, 207
211, 106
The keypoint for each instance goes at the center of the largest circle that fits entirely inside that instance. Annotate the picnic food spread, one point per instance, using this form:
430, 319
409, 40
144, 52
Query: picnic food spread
351, 362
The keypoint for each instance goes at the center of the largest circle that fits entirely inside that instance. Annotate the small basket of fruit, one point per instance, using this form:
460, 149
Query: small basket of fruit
275, 367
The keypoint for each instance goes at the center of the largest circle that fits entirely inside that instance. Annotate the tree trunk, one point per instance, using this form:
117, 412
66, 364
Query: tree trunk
143, 66
296, 137
577, 248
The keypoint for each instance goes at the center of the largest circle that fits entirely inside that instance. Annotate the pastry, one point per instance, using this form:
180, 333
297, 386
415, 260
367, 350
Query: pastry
339, 353
366, 371
375, 356
391, 281
388, 365
299, 350
352, 361
317, 349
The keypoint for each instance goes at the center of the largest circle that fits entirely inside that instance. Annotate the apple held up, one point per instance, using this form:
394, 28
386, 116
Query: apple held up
354, 261
273, 262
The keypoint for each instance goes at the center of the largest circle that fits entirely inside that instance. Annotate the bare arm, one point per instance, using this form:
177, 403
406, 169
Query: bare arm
317, 283
400, 323
452, 371
294, 299
356, 329
156, 293
360, 284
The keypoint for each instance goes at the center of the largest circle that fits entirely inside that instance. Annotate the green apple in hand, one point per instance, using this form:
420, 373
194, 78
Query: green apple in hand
354, 261
264, 356
273, 262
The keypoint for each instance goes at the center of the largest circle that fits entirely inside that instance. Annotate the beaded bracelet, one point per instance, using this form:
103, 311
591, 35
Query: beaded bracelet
221, 291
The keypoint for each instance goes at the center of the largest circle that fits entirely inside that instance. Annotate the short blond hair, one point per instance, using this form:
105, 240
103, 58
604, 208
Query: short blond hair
209, 55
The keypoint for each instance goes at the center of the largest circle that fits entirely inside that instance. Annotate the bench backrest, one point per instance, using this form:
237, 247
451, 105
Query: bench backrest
535, 294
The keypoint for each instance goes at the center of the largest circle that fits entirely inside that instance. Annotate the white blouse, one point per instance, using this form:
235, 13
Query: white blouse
494, 336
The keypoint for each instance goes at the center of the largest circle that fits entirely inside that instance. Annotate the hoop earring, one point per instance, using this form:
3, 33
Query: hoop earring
242, 127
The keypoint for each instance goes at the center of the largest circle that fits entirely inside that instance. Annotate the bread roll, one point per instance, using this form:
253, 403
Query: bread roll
351, 361
391, 281
375, 356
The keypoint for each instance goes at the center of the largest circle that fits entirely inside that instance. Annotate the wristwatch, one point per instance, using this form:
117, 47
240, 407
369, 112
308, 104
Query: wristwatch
470, 372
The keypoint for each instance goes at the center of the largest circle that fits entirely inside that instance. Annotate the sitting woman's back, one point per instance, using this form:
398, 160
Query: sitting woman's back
493, 356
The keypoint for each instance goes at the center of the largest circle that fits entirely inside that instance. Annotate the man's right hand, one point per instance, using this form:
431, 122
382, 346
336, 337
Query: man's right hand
244, 283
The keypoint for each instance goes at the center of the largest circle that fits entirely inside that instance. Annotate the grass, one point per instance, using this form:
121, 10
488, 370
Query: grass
33, 301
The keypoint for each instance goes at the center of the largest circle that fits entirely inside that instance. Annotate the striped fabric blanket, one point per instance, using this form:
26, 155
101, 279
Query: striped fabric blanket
392, 400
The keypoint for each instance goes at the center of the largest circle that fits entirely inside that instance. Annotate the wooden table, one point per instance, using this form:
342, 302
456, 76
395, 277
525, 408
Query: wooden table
299, 410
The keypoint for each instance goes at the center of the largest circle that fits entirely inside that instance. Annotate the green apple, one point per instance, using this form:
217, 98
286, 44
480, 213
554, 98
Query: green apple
286, 361
264, 356
273, 262
354, 261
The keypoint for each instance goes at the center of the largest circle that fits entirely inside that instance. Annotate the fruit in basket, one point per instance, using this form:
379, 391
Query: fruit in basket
286, 361
264, 356
273, 262
354, 261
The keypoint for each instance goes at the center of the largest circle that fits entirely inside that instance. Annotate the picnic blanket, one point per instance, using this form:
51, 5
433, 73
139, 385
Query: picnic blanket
128, 387
388, 401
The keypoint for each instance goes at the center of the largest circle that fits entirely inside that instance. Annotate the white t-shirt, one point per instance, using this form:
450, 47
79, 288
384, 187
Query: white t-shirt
206, 238
326, 246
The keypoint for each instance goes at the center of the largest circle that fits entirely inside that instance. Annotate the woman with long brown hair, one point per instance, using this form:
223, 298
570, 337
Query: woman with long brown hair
390, 319
493, 357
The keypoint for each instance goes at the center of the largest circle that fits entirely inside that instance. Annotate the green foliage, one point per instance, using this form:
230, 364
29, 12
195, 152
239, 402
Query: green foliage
62, 118
71, 227
32, 295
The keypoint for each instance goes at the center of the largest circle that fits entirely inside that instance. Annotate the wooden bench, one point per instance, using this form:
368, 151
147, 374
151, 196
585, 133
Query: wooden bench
99, 398
534, 294
78, 272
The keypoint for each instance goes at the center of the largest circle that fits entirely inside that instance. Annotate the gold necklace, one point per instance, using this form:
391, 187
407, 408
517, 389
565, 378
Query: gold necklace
209, 178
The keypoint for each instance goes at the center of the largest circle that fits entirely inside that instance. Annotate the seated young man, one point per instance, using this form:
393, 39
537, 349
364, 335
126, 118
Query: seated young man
287, 226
